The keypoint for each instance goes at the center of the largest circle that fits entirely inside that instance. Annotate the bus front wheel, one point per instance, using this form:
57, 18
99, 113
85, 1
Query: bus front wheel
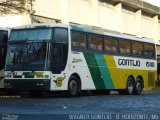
130, 86
73, 87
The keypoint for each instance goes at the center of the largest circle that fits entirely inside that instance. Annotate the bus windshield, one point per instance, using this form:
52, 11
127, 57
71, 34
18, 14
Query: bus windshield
28, 56
31, 49
28, 49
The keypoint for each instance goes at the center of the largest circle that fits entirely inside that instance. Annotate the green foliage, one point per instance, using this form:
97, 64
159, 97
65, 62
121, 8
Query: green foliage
15, 6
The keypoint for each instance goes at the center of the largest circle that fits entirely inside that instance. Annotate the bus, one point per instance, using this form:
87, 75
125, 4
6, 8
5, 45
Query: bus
3, 52
74, 58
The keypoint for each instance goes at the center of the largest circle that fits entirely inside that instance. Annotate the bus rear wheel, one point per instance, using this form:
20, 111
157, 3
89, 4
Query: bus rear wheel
138, 88
73, 87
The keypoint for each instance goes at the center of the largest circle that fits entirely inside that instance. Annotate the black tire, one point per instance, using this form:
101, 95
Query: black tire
138, 87
73, 87
130, 88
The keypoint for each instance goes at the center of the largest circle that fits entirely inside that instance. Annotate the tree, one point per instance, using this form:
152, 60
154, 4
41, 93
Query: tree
15, 6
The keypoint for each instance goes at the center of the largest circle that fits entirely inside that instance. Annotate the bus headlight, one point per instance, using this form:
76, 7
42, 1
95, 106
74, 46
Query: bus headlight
9, 75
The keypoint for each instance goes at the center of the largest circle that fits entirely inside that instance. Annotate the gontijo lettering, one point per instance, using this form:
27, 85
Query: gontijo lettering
129, 62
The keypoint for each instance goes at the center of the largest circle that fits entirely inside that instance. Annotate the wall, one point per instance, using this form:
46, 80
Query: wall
93, 12
147, 26
128, 21
107, 16
47, 8
79, 11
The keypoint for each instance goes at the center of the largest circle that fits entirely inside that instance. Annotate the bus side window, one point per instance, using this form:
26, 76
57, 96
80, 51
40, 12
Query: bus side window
78, 40
124, 47
110, 45
137, 48
99, 43
95, 43
149, 50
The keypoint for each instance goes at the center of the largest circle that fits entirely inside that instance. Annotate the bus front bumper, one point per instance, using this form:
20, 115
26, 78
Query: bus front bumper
27, 84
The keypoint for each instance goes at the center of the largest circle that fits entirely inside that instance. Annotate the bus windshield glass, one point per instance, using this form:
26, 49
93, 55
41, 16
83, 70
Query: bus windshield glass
28, 56
28, 49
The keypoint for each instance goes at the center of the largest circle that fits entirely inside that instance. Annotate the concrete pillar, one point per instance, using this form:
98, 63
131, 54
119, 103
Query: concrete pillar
138, 24
64, 11
118, 10
155, 29
94, 12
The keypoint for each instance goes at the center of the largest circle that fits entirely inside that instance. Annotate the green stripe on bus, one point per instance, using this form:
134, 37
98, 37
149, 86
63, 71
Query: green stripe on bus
104, 71
94, 70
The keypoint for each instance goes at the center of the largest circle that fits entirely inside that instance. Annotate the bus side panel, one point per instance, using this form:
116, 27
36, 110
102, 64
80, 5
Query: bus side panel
76, 65
99, 70
107, 74
120, 74
80, 67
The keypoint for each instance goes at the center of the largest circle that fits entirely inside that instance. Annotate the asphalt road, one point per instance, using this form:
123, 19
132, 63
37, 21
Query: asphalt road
145, 106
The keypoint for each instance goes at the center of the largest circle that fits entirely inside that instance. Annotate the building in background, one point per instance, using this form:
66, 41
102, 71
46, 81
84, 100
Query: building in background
132, 17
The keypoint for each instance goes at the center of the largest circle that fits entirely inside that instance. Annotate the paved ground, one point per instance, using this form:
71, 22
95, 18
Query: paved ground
145, 106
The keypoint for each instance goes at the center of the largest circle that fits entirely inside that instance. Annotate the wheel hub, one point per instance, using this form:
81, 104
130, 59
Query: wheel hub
73, 86
138, 87
130, 87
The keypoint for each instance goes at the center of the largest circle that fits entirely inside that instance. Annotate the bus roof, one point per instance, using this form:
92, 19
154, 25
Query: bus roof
40, 25
4, 28
89, 29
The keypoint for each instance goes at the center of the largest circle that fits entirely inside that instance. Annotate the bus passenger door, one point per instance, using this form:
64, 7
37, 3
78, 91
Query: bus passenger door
56, 58
59, 55
59, 50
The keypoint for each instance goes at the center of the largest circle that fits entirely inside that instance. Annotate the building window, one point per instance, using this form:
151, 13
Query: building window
127, 9
106, 3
